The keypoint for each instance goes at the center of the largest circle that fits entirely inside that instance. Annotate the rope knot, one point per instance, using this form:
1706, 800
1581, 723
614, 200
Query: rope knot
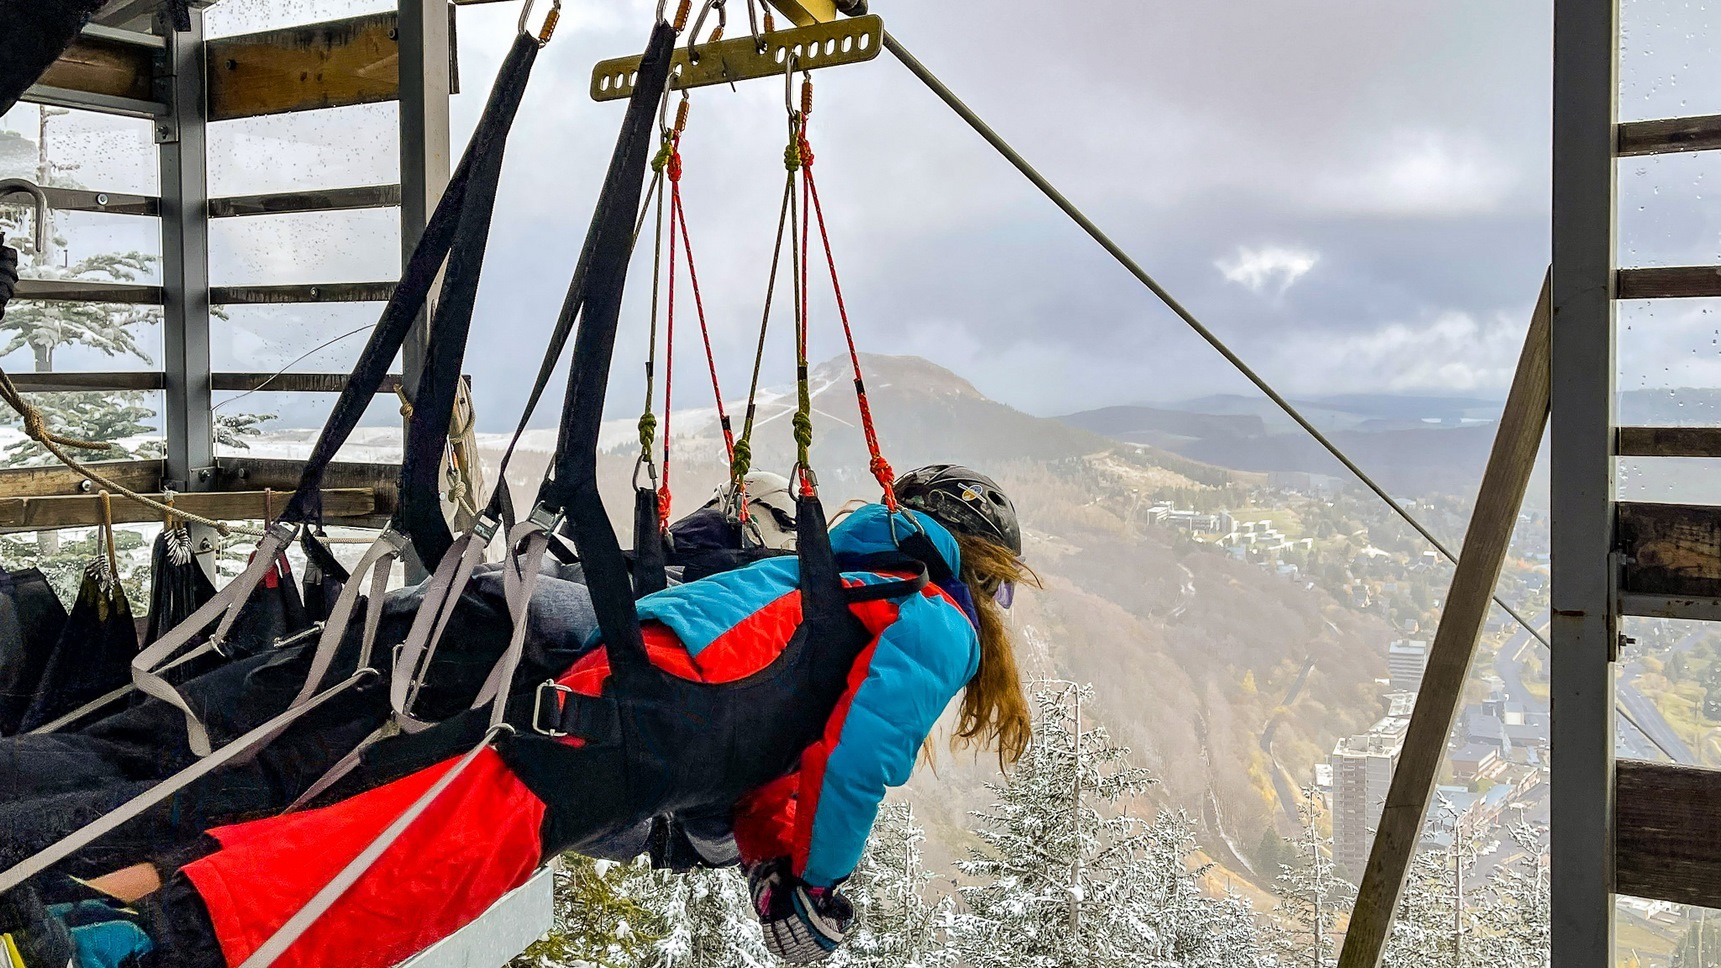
647, 430
803, 422
35, 427
743, 459
662, 157
674, 165
805, 150
792, 156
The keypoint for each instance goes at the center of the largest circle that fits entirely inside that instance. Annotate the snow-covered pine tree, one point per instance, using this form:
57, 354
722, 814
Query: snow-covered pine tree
1063, 879
710, 919
895, 926
45, 327
1514, 924
1311, 895
1434, 927
602, 919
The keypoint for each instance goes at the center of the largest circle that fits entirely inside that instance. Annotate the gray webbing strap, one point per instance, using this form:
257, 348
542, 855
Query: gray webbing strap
145, 671
84, 836
378, 561
331, 892
441, 597
520, 580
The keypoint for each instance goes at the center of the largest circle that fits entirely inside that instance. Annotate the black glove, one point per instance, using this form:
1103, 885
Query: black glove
8, 274
803, 924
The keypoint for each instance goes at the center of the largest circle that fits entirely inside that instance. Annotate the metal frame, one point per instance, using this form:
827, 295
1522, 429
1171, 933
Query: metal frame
424, 147
188, 412
1585, 618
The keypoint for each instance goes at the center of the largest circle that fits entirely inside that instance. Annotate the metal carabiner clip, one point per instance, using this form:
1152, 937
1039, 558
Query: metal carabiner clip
722, 8
550, 19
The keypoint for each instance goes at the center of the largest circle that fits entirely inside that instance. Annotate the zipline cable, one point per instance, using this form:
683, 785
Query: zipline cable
1123, 258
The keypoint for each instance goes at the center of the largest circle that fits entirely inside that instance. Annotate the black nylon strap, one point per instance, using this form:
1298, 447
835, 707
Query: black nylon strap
420, 516
824, 600
574, 488
649, 555
440, 234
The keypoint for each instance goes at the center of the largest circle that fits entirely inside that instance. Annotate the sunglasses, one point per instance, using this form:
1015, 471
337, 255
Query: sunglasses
1005, 595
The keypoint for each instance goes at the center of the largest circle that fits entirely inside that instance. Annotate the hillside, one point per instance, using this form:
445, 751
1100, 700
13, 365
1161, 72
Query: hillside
1189, 649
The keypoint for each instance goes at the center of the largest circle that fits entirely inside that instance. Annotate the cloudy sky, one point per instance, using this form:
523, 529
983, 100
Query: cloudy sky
1353, 193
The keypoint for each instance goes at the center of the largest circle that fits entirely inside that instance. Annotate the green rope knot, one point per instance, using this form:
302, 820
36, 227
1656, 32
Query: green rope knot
742, 462
803, 428
792, 156
663, 153
647, 431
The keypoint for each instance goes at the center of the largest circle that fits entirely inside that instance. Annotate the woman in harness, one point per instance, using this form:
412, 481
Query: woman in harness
737, 713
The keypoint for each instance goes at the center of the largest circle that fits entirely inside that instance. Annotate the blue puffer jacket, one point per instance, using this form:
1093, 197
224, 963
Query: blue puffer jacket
925, 648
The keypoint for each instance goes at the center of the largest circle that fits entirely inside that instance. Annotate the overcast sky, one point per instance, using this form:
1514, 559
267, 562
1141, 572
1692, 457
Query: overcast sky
1353, 193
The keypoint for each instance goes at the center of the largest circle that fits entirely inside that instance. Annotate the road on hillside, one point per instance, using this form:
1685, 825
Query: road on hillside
1639, 740
1288, 797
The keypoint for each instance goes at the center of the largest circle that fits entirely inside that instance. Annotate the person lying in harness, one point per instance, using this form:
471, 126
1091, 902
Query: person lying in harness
741, 709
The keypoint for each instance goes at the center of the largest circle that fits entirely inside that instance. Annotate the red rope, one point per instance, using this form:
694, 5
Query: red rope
881, 469
680, 216
663, 493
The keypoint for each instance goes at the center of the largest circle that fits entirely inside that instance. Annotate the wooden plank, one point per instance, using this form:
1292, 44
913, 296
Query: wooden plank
1669, 442
739, 59
139, 475
96, 65
1670, 549
327, 200
325, 65
1667, 832
1670, 134
318, 293
1467, 603
253, 473
85, 510
1671, 282
295, 382
66, 382
111, 203
73, 290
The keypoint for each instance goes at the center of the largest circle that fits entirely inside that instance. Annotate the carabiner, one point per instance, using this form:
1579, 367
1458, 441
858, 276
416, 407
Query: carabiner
753, 26
550, 19
10, 186
722, 8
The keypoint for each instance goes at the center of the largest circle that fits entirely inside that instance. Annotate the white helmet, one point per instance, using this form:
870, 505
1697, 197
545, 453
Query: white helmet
770, 509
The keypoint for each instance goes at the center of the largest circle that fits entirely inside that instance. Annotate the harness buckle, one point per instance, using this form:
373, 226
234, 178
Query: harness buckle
556, 704
486, 527
547, 518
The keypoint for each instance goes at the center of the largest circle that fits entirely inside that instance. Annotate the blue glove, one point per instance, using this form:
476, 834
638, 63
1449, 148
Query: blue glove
803, 924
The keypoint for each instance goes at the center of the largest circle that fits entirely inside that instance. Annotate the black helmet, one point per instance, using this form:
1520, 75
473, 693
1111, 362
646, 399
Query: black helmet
962, 500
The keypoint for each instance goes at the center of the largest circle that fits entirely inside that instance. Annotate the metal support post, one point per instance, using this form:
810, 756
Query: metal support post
424, 152
185, 258
1584, 623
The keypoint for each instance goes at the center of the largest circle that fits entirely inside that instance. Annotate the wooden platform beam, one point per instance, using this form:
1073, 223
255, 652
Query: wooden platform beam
325, 65
84, 510
139, 475
1669, 135
288, 203
1667, 832
1669, 282
1467, 603
321, 292
1670, 550
1669, 442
